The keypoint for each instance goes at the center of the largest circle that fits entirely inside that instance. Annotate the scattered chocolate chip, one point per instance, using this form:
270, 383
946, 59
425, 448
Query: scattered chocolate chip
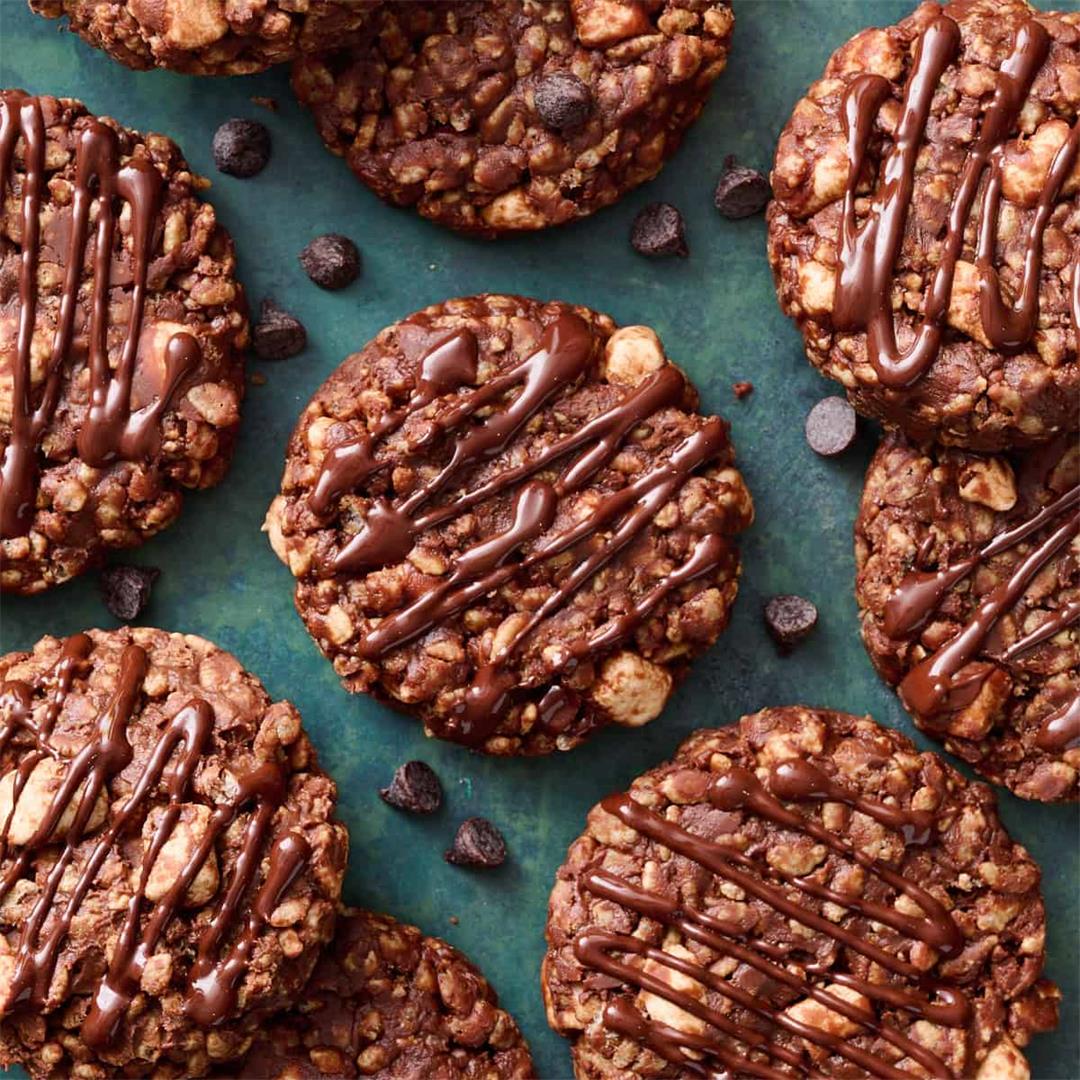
659, 230
742, 389
331, 261
241, 147
741, 191
415, 788
126, 589
277, 335
830, 426
563, 101
789, 619
478, 843
268, 103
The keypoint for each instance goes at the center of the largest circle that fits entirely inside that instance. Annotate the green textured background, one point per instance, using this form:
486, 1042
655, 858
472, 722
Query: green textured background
718, 317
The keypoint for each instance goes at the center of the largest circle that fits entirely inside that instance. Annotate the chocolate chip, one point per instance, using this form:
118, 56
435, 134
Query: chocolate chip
742, 389
658, 230
415, 788
331, 261
277, 335
830, 426
789, 619
241, 147
741, 191
126, 589
478, 843
563, 101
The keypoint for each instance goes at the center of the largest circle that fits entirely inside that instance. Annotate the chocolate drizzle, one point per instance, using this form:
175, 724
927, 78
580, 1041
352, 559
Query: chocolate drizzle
951, 676
864, 276
172, 764
111, 430
910, 989
1060, 730
390, 528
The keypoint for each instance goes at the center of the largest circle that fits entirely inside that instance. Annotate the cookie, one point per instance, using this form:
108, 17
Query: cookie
122, 330
209, 37
925, 235
506, 518
387, 1002
169, 863
801, 894
969, 595
508, 115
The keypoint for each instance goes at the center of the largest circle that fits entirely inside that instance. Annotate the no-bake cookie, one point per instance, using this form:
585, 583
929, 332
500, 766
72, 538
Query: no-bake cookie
122, 330
802, 894
508, 115
925, 233
169, 863
209, 37
506, 518
388, 1002
969, 592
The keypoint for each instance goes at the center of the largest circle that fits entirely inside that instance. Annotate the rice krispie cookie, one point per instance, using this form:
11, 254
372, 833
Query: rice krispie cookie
122, 330
504, 115
925, 233
387, 1002
801, 894
209, 37
506, 518
969, 593
169, 862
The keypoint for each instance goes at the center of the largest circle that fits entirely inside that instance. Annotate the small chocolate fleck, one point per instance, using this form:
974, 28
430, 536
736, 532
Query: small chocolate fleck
658, 229
454, 920
332, 261
742, 389
789, 619
241, 147
563, 101
478, 843
415, 787
278, 334
257, 378
126, 589
741, 191
830, 426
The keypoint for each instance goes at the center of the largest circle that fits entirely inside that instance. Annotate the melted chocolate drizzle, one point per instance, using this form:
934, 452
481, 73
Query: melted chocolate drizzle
390, 528
1060, 730
864, 276
911, 990
111, 430
172, 764
951, 677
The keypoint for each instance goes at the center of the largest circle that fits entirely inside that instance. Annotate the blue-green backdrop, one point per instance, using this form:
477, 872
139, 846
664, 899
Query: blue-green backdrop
717, 315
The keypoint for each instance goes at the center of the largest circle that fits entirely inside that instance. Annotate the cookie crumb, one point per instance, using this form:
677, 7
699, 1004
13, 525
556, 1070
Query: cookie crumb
241, 148
831, 426
268, 103
332, 261
454, 920
741, 191
415, 788
742, 389
257, 378
278, 334
789, 619
126, 589
477, 843
658, 230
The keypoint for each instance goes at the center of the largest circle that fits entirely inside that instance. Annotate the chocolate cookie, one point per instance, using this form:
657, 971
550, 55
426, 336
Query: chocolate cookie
387, 1002
169, 862
209, 37
969, 591
505, 518
121, 337
925, 234
802, 894
505, 115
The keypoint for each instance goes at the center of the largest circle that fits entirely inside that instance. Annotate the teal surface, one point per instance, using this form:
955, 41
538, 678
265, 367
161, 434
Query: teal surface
718, 317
